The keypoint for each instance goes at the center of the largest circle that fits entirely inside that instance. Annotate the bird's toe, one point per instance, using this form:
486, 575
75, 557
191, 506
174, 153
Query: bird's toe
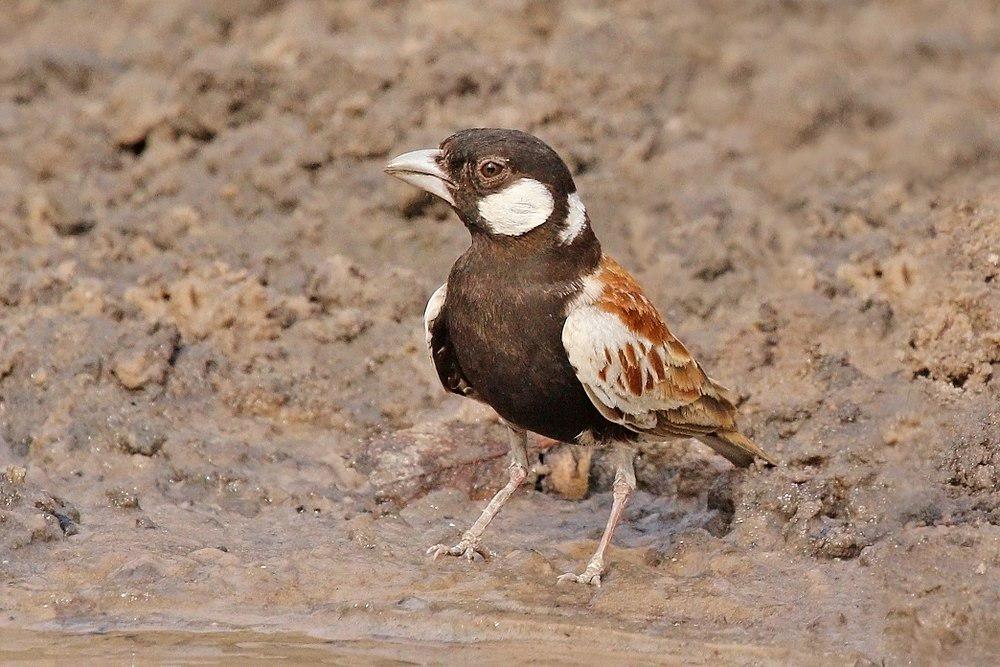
437, 550
473, 552
589, 576
463, 549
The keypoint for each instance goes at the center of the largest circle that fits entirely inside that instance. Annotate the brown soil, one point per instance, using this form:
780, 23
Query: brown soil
217, 413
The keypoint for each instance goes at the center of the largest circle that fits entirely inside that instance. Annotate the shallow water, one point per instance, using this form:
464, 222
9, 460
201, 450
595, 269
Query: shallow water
166, 647
239, 647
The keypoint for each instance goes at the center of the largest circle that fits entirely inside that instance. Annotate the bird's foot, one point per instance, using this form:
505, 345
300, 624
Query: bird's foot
591, 576
468, 549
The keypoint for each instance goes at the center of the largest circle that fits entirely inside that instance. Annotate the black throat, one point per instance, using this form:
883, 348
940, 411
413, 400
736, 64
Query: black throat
536, 257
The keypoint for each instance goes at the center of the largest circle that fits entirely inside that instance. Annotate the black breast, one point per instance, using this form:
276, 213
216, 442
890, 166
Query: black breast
504, 314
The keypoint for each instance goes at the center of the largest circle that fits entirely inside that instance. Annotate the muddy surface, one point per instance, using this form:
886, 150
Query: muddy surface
217, 414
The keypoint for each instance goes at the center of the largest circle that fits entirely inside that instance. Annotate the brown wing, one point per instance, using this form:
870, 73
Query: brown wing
637, 373
439, 344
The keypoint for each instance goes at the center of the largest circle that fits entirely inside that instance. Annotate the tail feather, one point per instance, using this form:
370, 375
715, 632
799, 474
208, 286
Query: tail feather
736, 447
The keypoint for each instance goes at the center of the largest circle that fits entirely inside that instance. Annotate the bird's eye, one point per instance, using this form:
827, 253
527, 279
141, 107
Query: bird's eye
490, 168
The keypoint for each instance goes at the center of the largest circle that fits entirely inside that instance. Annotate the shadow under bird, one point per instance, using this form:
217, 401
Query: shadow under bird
538, 323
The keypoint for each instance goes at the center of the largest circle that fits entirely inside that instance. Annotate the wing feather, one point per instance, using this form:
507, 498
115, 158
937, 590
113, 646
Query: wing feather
640, 383
637, 373
439, 343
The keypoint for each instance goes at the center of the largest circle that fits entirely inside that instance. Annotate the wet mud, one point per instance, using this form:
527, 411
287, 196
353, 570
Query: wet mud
217, 412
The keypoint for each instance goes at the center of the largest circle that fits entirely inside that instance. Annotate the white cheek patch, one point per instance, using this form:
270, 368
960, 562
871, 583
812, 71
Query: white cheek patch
518, 208
576, 219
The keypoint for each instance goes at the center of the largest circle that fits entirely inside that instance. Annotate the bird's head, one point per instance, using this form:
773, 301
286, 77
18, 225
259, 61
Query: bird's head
502, 183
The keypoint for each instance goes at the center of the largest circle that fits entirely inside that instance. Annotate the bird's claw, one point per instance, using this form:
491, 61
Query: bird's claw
590, 576
466, 549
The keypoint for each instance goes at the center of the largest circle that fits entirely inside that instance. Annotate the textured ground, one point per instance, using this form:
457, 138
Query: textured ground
216, 411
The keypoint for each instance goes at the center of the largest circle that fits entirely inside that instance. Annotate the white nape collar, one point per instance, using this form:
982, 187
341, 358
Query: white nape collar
576, 219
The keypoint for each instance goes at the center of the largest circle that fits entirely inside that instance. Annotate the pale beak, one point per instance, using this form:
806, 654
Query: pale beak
420, 168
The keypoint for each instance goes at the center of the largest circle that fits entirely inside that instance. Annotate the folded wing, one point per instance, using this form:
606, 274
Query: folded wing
639, 375
439, 344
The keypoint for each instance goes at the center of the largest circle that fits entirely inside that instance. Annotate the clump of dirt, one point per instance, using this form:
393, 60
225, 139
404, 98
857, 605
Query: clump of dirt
29, 515
212, 368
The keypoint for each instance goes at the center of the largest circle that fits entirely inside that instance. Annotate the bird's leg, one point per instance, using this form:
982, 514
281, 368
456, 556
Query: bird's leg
518, 470
622, 490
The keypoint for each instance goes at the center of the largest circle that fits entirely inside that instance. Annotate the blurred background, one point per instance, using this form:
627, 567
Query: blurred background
212, 368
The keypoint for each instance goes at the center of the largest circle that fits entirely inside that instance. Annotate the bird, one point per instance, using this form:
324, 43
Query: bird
538, 323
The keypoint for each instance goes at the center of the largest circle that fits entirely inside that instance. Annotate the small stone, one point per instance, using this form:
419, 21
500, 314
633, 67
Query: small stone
63, 212
348, 324
42, 528
123, 498
140, 439
135, 368
15, 474
138, 102
174, 225
838, 541
412, 603
66, 514
148, 361
568, 471
866, 557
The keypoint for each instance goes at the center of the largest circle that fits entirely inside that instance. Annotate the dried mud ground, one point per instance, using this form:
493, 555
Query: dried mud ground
216, 410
